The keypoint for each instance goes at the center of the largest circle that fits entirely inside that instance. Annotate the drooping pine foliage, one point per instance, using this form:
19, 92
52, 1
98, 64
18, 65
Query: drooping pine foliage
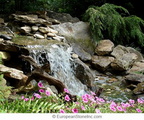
113, 22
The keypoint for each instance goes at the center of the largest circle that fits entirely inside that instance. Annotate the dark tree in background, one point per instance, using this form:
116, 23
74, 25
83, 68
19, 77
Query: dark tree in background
74, 7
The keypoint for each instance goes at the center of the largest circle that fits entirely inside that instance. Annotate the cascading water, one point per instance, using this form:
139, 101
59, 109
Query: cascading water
61, 64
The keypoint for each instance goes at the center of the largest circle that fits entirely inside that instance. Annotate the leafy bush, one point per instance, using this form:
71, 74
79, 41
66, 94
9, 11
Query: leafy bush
112, 22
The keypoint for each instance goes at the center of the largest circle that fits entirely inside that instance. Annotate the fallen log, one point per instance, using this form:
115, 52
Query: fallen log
40, 72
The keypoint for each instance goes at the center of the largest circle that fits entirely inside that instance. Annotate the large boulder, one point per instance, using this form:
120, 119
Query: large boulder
83, 55
134, 78
104, 47
77, 33
138, 67
13, 73
139, 55
124, 59
84, 73
101, 62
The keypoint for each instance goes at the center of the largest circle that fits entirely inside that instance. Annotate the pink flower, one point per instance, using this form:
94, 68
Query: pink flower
88, 96
131, 101
119, 108
41, 90
83, 108
75, 110
113, 109
138, 110
37, 95
113, 104
101, 100
67, 98
140, 101
85, 100
66, 90
26, 99
40, 84
32, 98
22, 97
97, 111
125, 105
47, 93
62, 111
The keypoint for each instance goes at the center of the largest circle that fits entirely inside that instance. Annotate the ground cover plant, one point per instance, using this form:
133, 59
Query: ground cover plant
44, 102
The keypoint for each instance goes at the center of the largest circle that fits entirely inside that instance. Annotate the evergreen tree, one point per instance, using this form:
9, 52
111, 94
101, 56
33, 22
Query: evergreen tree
114, 22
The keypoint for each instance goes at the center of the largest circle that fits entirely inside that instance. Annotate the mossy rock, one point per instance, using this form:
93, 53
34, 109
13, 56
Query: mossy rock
5, 90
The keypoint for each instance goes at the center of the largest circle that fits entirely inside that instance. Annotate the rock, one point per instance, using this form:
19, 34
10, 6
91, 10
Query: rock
124, 62
6, 37
139, 89
51, 34
38, 36
74, 56
138, 67
104, 47
59, 38
5, 55
84, 73
53, 31
1, 40
134, 78
119, 51
77, 33
34, 28
44, 29
62, 17
25, 29
102, 62
83, 55
139, 55
13, 73
13, 48
124, 59
30, 19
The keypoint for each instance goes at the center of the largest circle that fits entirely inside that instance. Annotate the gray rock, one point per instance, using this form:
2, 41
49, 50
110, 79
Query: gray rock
102, 62
139, 55
84, 73
77, 33
25, 29
134, 78
5, 37
83, 55
138, 67
34, 28
51, 35
74, 56
44, 29
124, 59
39, 36
104, 47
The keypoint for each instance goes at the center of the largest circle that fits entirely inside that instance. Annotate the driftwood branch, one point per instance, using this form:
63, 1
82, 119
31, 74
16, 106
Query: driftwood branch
40, 72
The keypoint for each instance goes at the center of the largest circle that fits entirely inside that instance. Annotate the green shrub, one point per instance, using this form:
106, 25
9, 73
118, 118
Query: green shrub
113, 22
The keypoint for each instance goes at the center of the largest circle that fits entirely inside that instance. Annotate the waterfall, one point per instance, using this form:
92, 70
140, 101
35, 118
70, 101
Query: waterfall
61, 64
